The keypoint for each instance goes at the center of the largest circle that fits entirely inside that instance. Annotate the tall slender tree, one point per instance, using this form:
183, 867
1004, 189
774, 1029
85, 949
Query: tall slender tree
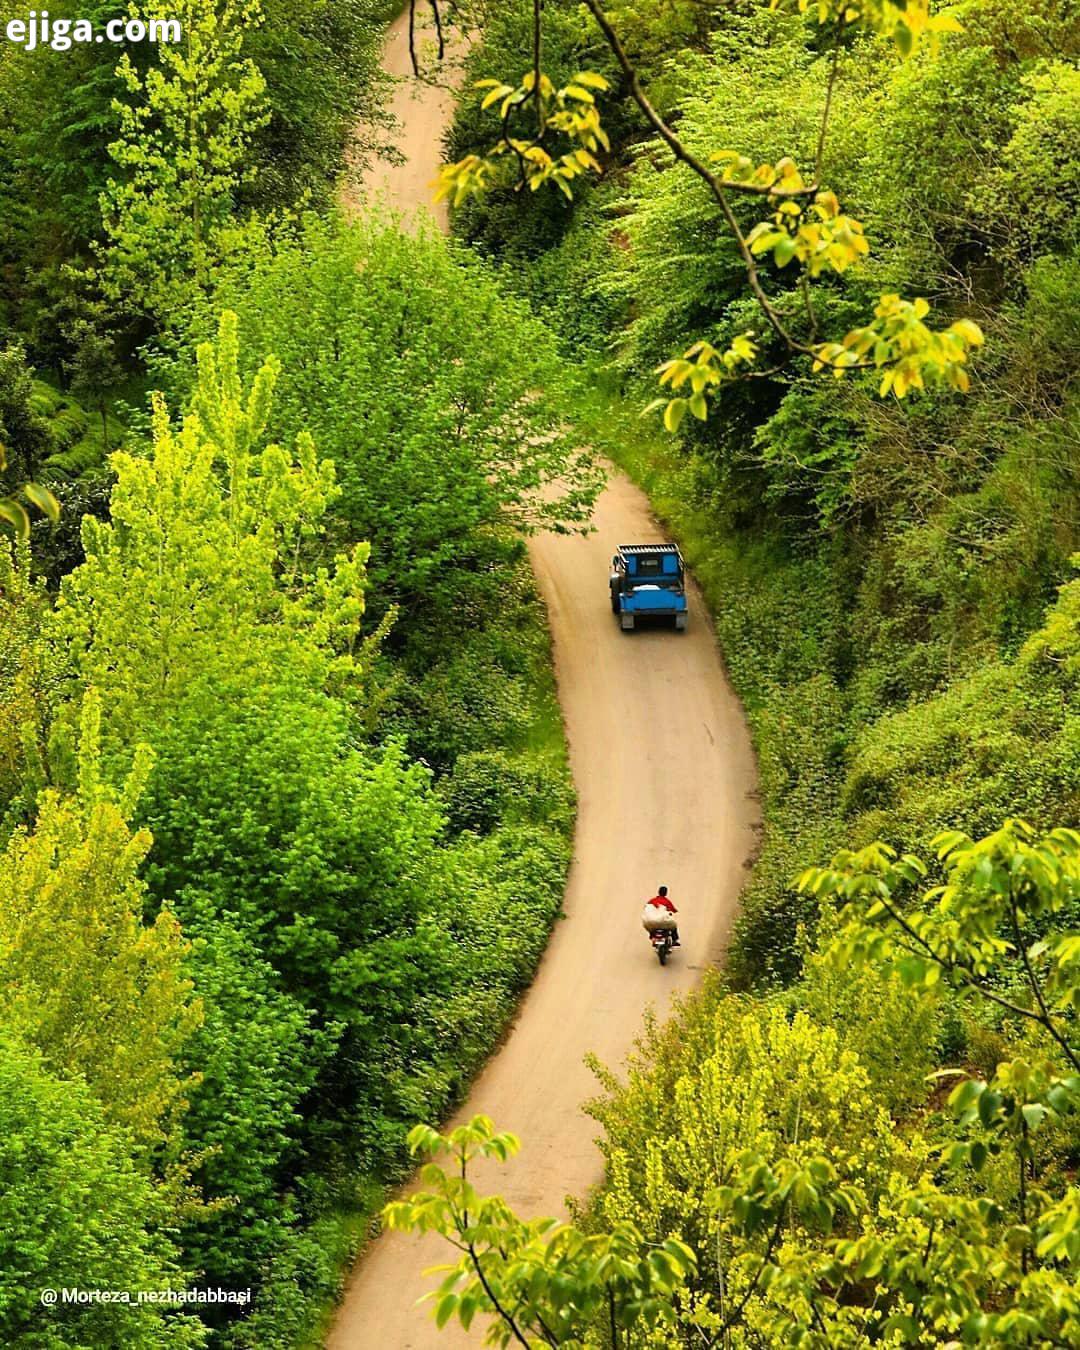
182, 154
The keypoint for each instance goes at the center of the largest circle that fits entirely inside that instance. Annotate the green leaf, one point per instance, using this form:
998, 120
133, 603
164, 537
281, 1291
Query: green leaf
674, 414
445, 1309
966, 1094
500, 91
785, 250
1034, 1114
43, 499
15, 516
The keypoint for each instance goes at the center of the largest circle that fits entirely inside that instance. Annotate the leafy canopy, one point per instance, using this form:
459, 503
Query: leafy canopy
183, 154
806, 225
207, 530
101, 993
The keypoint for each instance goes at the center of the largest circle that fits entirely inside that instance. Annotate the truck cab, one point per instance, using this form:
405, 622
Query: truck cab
648, 581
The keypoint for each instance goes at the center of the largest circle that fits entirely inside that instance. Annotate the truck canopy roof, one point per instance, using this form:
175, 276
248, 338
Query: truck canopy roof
635, 549
651, 560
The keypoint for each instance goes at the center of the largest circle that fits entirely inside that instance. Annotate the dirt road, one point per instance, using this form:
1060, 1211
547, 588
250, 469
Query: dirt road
664, 773
423, 112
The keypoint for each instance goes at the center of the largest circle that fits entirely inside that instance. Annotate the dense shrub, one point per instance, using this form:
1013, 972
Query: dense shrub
59, 1162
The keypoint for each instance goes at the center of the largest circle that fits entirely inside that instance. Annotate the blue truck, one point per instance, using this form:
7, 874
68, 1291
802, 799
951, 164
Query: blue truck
648, 581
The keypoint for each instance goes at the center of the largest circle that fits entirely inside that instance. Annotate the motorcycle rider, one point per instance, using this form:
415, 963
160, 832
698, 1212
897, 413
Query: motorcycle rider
660, 899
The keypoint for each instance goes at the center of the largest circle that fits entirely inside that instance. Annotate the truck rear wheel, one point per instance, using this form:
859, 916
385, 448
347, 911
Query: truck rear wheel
627, 623
680, 622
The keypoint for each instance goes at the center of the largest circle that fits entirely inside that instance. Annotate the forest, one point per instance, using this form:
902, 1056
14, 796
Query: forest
286, 808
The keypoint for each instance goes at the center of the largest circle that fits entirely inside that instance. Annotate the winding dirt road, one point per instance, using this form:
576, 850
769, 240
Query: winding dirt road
665, 774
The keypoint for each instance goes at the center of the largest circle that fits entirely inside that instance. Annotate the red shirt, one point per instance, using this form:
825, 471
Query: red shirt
664, 901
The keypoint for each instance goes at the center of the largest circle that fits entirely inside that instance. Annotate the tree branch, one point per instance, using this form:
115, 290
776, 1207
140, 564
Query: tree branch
972, 981
506, 1316
717, 186
770, 1247
1036, 988
438, 27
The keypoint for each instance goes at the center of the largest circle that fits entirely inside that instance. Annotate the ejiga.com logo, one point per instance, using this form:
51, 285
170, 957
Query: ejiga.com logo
60, 35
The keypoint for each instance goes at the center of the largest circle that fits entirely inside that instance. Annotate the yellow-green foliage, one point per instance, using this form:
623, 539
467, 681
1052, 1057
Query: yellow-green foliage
892, 1030
1004, 739
800, 221
762, 1089
182, 155
77, 1211
97, 990
538, 1281
197, 532
354, 958
750, 1133
1033, 193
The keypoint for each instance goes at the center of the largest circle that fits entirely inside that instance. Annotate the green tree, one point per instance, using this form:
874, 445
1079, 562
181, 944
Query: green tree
23, 432
254, 1059
1007, 1273
754, 1147
308, 868
57, 121
804, 225
183, 153
325, 93
419, 379
541, 1282
207, 531
95, 371
84, 978
755, 1138
75, 1212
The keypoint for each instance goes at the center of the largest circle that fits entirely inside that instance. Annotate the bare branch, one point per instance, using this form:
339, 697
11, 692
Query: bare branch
438, 27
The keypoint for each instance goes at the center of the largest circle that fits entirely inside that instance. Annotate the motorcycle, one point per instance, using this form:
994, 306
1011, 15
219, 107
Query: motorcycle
662, 939
661, 929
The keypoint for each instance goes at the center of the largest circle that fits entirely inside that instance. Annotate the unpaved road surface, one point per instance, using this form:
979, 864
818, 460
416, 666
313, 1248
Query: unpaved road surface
423, 112
665, 775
